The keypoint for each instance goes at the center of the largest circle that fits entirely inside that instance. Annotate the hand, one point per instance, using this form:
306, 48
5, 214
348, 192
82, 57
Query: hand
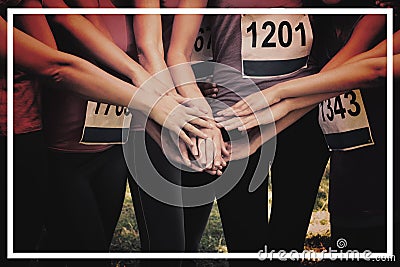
208, 88
252, 103
262, 117
211, 151
173, 113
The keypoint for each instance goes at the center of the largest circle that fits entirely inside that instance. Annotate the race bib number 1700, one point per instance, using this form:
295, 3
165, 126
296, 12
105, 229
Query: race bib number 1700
344, 122
105, 124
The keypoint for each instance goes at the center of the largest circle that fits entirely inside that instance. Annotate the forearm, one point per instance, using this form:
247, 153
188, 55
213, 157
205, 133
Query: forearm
149, 44
182, 74
102, 48
267, 132
363, 74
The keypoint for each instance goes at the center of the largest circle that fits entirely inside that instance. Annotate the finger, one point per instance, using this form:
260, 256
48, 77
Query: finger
227, 112
185, 138
232, 123
180, 99
200, 122
219, 173
248, 125
211, 172
224, 149
210, 152
245, 111
210, 91
202, 157
217, 154
191, 129
184, 153
193, 148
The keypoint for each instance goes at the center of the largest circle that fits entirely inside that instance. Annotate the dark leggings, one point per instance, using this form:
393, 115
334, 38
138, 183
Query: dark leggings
160, 225
300, 159
86, 197
30, 174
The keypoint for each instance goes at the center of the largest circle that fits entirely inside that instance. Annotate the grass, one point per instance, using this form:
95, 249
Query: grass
126, 237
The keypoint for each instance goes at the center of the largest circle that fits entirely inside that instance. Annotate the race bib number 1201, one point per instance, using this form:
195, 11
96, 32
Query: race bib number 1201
275, 45
344, 122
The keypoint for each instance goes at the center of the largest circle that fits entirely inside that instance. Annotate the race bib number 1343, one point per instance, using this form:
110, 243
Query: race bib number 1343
344, 122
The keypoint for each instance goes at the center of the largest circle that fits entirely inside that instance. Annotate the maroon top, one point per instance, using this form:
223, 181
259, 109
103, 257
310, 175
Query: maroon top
65, 111
26, 104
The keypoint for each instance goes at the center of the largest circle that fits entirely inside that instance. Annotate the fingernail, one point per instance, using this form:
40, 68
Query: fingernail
215, 90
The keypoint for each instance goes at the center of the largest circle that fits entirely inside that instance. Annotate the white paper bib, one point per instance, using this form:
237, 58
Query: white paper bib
343, 120
105, 124
275, 45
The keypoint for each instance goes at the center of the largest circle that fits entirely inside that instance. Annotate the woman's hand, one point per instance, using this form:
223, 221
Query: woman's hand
261, 117
176, 113
212, 151
252, 103
208, 88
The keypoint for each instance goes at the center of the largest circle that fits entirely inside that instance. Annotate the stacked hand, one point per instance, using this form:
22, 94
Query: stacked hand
260, 108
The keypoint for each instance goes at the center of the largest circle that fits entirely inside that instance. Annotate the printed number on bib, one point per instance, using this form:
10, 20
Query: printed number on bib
344, 122
105, 124
275, 45
202, 50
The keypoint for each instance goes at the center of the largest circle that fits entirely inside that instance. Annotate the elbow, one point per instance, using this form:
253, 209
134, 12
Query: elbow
56, 70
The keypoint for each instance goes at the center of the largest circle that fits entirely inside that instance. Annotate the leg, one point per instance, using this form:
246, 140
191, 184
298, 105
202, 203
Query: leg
195, 218
244, 215
161, 225
109, 187
74, 224
300, 160
30, 174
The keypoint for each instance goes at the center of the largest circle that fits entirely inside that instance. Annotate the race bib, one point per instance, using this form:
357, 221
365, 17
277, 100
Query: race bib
344, 122
105, 124
202, 50
275, 45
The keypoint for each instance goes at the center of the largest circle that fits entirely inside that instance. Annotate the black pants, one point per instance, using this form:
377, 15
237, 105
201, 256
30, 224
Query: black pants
300, 160
30, 175
86, 194
160, 224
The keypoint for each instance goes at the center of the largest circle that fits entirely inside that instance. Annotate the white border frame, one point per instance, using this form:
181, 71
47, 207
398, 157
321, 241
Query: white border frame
138, 255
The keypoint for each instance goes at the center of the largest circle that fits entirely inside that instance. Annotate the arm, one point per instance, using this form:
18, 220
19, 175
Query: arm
98, 44
288, 96
148, 32
70, 72
367, 30
184, 33
183, 36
